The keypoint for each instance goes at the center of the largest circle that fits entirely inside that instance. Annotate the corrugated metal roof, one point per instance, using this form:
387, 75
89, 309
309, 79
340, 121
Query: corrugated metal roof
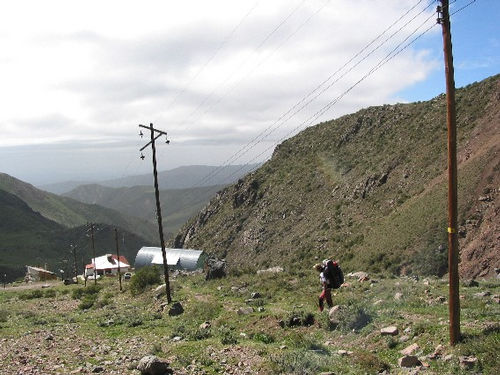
188, 259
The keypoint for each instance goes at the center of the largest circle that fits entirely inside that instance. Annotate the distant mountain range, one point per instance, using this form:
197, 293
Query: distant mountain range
192, 176
178, 205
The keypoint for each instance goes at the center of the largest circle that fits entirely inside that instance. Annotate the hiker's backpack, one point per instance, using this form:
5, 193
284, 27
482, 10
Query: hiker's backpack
333, 274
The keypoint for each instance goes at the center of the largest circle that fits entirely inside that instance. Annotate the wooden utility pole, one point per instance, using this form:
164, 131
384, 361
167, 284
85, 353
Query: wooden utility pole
454, 297
84, 272
73, 249
93, 251
118, 255
155, 134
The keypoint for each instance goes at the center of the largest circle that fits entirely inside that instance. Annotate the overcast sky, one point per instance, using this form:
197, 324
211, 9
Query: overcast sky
77, 77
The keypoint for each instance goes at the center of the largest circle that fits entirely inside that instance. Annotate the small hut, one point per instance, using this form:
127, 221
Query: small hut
107, 265
183, 259
39, 274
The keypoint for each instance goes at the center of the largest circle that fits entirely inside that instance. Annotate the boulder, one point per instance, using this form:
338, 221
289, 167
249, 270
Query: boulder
160, 291
389, 331
176, 309
483, 294
467, 362
276, 269
205, 325
438, 352
334, 315
216, 269
359, 275
470, 283
245, 310
409, 350
256, 295
152, 365
409, 361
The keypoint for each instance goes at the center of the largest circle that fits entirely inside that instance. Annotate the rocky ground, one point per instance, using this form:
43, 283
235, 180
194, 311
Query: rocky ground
251, 325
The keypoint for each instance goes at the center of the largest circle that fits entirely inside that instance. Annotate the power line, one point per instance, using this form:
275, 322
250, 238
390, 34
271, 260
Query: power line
261, 44
212, 57
248, 73
303, 103
384, 61
381, 63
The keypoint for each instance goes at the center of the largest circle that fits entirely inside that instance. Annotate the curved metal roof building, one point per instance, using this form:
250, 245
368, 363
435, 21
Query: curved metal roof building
187, 259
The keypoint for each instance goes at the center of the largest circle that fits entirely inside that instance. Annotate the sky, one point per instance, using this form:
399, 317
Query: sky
227, 80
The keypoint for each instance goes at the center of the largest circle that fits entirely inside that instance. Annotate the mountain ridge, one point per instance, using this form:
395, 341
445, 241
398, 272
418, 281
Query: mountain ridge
189, 176
71, 213
29, 238
368, 188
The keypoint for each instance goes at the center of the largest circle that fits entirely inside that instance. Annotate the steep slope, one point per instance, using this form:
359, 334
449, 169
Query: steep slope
69, 212
177, 205
26, 237
368, 188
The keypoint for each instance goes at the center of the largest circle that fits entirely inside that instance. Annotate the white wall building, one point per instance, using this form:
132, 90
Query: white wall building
107, 265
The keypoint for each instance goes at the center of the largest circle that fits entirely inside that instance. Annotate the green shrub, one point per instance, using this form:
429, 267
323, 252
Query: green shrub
143, 278
370, 363
32, 294
49, 293
81, 292
263, 337
4, 316
87, 301
303, 362
353, 318
227, 336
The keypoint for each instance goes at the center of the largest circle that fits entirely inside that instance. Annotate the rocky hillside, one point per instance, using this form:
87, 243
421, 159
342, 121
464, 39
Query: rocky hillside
72, 213
28, 238
370, 189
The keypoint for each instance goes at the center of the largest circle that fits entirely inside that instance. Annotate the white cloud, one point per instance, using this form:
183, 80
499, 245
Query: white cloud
92, 70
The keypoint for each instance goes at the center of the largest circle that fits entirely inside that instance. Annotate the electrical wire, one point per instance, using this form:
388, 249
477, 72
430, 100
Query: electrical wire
260, 45
212, 57
395, 52
303, 103
381, 63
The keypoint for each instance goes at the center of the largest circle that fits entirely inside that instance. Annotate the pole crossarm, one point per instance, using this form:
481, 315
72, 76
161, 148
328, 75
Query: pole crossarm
151, 142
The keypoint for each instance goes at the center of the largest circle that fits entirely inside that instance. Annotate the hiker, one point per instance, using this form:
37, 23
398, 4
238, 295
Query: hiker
327, 292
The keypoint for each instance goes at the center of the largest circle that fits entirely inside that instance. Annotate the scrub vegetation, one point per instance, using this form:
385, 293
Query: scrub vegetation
212, 335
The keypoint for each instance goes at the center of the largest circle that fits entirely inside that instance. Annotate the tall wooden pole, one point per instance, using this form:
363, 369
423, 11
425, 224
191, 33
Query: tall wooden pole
84, 273
93, 252
454, 297
118, 255
73, 249
158, 207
